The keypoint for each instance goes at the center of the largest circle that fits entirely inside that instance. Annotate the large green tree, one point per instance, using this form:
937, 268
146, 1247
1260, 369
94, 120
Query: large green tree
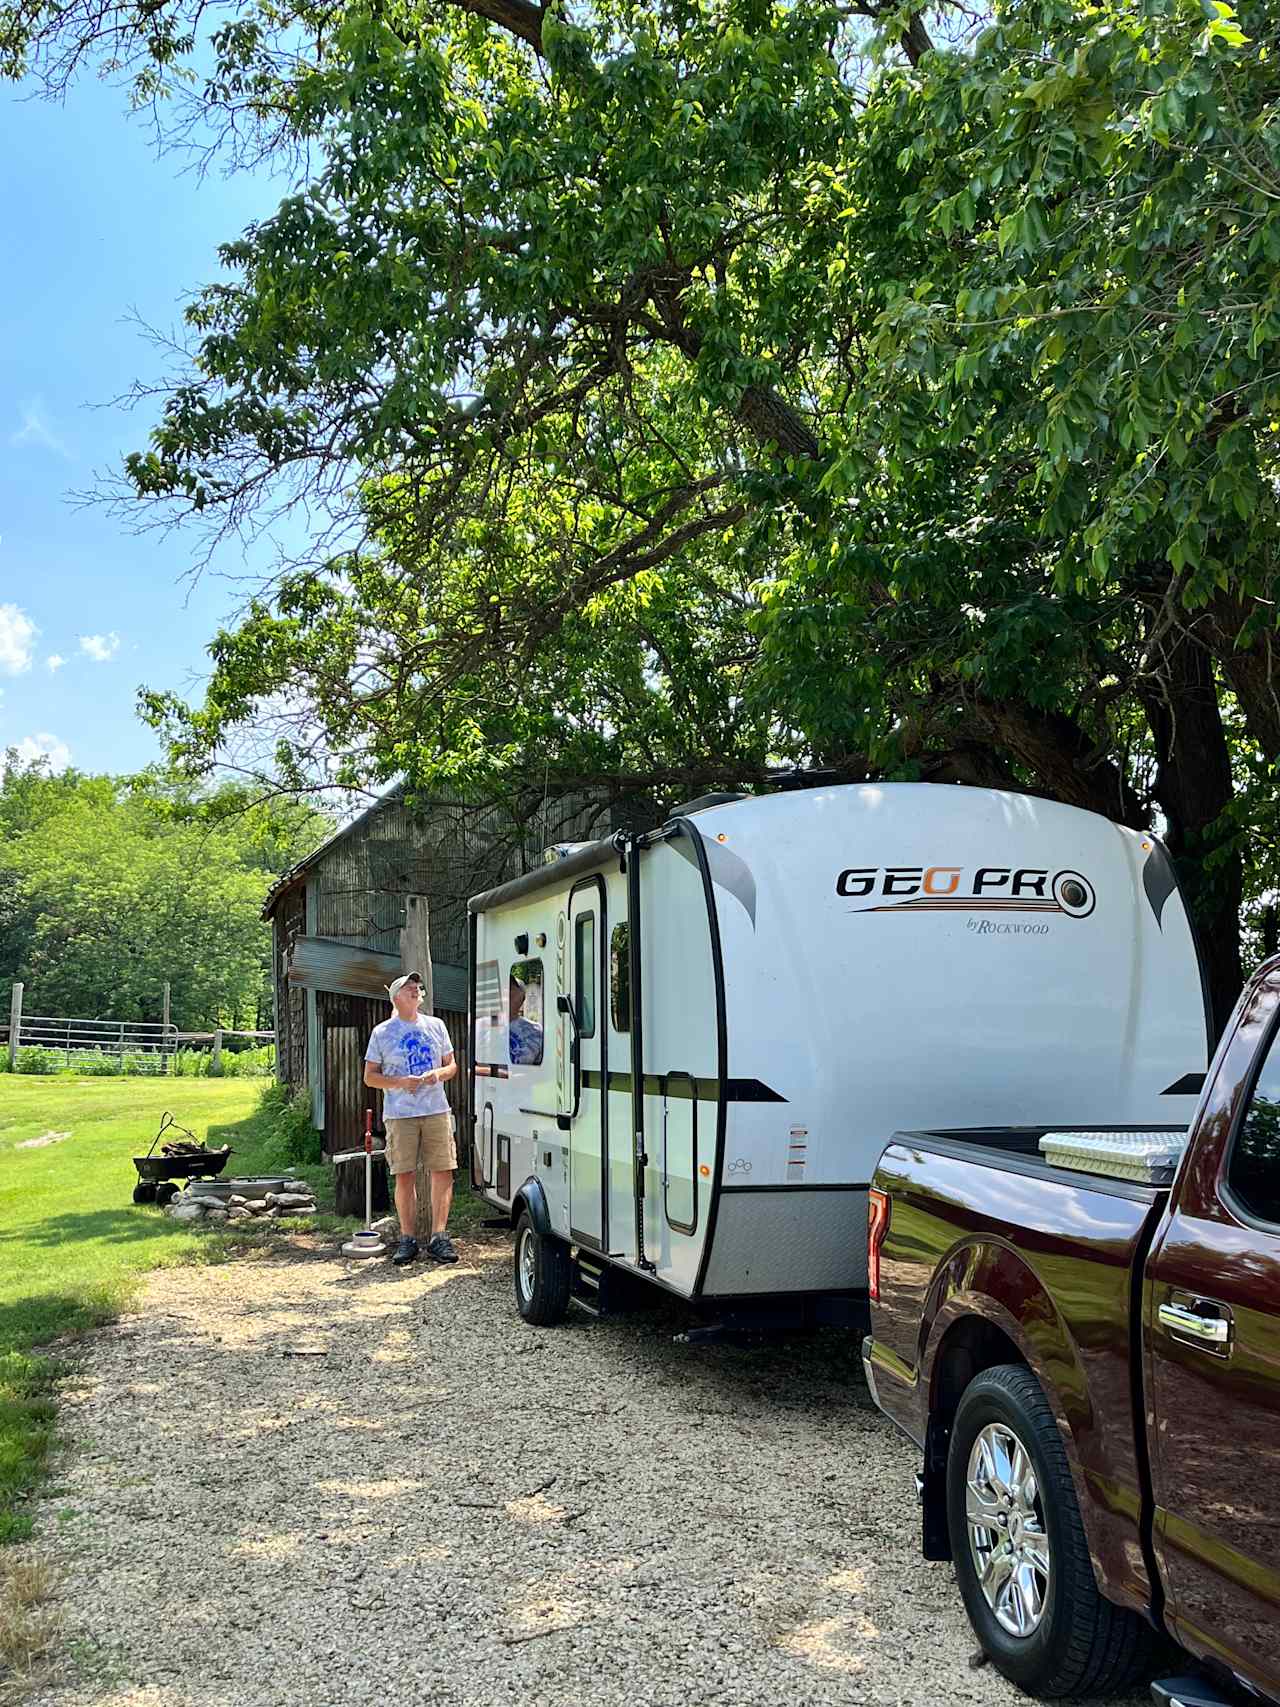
703, 386
112, 887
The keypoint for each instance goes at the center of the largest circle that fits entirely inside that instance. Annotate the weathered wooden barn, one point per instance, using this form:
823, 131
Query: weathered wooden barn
359, 910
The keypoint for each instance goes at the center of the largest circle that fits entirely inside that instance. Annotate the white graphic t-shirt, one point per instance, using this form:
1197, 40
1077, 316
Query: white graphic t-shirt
403, 1048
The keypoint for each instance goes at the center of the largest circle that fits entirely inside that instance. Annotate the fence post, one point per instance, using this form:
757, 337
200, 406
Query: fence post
15, 1025
215, 1066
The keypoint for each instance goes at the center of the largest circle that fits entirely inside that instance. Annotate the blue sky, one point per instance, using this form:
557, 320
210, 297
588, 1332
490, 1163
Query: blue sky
98, 228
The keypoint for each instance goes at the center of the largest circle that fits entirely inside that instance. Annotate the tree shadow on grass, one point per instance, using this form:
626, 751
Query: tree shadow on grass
127, 1224
43, 1318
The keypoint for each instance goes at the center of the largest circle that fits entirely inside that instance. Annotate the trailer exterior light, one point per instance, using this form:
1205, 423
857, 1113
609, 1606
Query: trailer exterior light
722, 837
705, 1171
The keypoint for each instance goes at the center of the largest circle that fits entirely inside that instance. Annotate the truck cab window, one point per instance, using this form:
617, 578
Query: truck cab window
620, 978
1253, 1168
524, 1013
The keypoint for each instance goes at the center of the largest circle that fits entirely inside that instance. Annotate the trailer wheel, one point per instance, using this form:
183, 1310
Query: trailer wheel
542, 1274
1019, 1548
144, 1191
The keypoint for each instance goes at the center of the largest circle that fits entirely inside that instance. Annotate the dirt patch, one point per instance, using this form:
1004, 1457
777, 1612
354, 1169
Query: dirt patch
476, 1512
40, 1142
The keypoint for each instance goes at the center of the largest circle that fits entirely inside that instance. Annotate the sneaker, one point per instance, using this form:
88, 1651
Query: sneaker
441, 1248
406, 1250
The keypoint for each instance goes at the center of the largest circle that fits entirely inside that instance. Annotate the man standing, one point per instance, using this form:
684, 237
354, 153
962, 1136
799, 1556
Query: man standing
410, 1059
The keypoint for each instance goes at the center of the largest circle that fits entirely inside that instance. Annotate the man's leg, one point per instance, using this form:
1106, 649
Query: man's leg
441, 1201
441, 1157
407, 1203
402, 1160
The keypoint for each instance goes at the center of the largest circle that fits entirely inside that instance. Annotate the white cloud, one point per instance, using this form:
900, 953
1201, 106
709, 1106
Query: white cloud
100, 647
43, 746
37, 429
54, 662
17, 639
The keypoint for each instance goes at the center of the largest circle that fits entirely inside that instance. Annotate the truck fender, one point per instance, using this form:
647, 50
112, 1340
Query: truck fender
532, 1197
967, 1329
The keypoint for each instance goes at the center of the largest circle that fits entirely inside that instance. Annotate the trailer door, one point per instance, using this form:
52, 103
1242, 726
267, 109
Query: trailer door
586, 1081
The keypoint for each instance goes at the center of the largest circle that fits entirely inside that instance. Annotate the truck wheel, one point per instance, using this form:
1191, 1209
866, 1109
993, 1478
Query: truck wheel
1019, 1547
542, 1274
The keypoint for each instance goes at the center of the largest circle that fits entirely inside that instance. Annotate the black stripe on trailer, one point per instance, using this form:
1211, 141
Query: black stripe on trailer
702, 1089
759, 1190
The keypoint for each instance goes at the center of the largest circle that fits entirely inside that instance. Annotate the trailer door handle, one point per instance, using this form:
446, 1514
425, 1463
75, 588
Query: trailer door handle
1183, 1321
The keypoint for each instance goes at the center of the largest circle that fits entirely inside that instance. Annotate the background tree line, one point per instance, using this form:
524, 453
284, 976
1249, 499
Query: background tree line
702, 387
109, 886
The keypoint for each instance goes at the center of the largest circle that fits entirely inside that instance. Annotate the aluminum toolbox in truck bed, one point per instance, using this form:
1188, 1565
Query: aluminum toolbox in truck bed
1149, 1157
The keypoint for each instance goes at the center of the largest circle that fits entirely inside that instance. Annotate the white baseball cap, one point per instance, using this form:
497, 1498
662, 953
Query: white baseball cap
397, 984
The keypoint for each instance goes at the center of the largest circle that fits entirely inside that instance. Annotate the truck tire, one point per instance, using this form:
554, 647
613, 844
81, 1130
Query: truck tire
1026, 1576
543, 1274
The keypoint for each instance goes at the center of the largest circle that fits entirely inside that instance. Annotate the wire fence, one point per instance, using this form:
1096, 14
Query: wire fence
45, 1042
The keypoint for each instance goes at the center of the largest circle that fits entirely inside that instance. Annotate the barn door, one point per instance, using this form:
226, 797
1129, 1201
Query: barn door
585, 1098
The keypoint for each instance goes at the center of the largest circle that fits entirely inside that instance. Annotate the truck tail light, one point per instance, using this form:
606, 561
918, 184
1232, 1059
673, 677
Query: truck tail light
877, 1227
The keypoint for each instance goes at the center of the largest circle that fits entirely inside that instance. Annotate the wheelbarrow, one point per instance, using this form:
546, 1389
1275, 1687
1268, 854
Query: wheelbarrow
154, 1172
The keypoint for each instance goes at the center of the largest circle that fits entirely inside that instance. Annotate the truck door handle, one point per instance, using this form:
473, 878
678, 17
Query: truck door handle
1182, 1319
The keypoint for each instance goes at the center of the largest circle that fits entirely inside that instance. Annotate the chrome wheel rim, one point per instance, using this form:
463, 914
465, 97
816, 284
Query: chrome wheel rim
526, 1264
1007, 1538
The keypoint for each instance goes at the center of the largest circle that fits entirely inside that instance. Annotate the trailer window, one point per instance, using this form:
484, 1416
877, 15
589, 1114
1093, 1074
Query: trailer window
584, 955
524, 1013
1253, 1168
620, 978
489, 1041
680, 1152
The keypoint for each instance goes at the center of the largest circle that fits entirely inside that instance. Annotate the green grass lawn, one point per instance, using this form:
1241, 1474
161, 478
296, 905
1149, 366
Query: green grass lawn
73, 1243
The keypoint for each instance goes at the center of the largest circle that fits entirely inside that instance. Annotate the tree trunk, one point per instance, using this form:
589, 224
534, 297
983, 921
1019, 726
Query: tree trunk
1194, 788
1064, 759
1251, 670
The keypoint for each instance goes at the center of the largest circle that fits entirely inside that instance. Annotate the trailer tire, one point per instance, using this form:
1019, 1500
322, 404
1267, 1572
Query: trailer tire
1071, 1641
542, 1274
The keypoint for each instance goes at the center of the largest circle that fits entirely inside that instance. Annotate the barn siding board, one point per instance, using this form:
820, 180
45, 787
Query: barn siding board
291, 1002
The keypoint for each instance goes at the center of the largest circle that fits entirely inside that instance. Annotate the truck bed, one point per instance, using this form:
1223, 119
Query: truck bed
1016, 1149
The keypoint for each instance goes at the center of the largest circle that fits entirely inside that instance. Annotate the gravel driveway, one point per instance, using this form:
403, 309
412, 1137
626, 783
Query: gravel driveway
451, 1508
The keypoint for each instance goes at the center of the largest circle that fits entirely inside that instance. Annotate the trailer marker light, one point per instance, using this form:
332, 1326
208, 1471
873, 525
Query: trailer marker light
1147, 846
877, 1227
705, 1171
722, 837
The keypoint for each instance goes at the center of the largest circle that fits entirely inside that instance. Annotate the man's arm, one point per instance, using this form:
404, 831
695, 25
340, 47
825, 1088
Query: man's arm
389, 1082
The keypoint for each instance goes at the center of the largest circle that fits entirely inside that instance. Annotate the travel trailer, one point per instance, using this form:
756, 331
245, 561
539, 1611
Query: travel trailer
690, 1046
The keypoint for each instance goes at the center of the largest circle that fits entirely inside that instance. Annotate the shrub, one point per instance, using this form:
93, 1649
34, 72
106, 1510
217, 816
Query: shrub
93, 1064
292, 1136
36, 1060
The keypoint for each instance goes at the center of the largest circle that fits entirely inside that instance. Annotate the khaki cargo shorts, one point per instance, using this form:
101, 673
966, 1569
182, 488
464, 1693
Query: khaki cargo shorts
432, 1134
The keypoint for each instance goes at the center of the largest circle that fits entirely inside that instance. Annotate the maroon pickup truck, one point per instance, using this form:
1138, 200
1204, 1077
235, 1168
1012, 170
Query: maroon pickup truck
1091, 1368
